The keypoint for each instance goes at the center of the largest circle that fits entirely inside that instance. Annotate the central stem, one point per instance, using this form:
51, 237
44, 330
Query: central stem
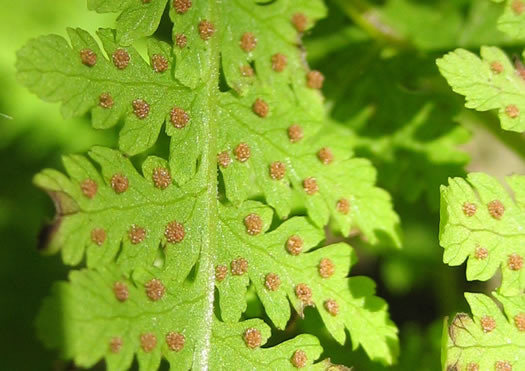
209, 160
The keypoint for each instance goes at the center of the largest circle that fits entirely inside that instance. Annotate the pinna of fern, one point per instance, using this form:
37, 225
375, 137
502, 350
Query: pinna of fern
252, 177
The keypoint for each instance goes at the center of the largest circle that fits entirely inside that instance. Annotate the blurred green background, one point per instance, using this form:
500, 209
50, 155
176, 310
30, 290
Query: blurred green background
381, 83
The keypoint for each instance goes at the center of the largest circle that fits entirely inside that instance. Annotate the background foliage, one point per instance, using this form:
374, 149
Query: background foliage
382, 84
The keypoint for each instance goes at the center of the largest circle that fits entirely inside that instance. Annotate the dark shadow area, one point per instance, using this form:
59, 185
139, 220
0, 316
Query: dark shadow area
25, 275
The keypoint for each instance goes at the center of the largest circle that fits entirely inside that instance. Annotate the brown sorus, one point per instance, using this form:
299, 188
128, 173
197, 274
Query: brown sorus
503, 366
260, 108
481, 253
120, 289
148, 341
512, 111
161, 177
239, 266
105, 100
343, 206
272, 281
253, 224
248, 41
181, 40
206, 29
496, 67
299, 359
519, 321
310, 186
119, 183
300, 22
252, 338
88, 57
159, 63
155, 289
181, 6
295, 133
136, 234
487, 323
140, 108
89, 188
515, 262
277, 170
496, 209
518, 6
314, 79
325, 155
331, 307
98, 236
303, 293
294, 245
221, 271
469, 209
120, 58
242, 152
224, 159
326, 268
175, 341
115, 344
179, 117
247, 71
174, 232
279, 62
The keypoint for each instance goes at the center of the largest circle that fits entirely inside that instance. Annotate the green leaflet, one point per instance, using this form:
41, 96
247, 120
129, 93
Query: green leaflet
480, 221
292, 103
324, 272
343, 178
178, 229
86, 321
512, 21
138, 232
54, 71
489, 83
102, 227
492, 340
137, 18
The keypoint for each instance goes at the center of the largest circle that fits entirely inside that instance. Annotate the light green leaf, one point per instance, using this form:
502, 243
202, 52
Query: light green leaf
86, 320
115, 217
480, 221
55, 72
138, 18
343, 178
290, 102
179, 224
490, 340
322, 271
512, 21
135, 225
488, 83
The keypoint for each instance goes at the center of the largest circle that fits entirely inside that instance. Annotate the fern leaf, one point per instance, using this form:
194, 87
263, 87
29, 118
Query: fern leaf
158, 243
512, 21
104, 315
257, 128
135, 91
136, 19
490, 340
120, 216
482, 223
282, 266
488, 83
